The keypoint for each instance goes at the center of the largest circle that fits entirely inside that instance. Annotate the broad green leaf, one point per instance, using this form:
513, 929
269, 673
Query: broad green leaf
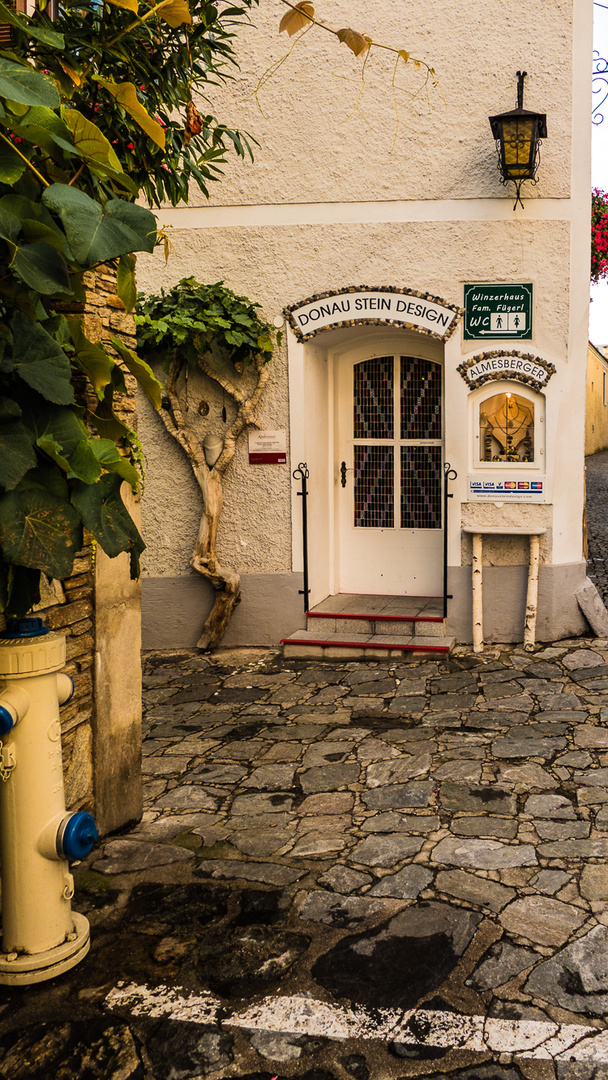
39, 33
126, 285
357, 43
105, 421
84, 464
95, 233
17, 454
126, 95
10, 225
90, 141
142, 372
12, 166
42, 267
40, 530
108, 455
45, 478
58, 423
92, 358
9, 409
175, 13
22, 83
104, 514
40, 361
52, 449
297, 18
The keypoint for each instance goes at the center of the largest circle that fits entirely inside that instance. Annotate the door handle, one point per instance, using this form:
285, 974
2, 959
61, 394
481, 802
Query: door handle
343, 472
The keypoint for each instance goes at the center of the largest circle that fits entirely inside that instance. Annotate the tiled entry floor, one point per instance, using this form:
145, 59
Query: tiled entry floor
396, 607
367, 626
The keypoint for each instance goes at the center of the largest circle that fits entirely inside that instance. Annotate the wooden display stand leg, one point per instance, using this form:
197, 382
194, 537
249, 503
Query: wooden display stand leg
532, 595
477, 579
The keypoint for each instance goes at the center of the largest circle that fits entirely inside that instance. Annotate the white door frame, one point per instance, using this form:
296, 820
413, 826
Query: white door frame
365, 347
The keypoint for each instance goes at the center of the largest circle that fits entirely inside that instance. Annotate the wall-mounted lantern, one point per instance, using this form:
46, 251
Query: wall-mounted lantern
518, 134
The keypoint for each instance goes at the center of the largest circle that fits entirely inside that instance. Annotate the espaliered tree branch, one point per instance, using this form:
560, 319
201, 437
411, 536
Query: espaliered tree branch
301, 18
189, 326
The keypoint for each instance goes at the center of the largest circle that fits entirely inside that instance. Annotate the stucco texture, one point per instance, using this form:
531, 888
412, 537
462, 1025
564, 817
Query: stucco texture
324, 135
278, 266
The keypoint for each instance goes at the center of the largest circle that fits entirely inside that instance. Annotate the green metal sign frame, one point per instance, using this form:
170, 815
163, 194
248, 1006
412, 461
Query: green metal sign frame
497, 312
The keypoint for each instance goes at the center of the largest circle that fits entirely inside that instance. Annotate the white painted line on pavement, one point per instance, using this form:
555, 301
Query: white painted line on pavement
302, 1015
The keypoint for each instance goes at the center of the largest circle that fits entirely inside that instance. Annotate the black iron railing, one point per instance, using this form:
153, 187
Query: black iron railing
449, 474
301, 473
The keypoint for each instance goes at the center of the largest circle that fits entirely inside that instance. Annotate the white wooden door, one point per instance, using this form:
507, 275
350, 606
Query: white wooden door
390, 476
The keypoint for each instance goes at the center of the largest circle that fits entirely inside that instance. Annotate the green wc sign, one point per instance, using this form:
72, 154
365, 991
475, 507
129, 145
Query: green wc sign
497, 312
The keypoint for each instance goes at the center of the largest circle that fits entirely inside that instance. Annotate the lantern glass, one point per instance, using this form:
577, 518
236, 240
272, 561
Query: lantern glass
519, 146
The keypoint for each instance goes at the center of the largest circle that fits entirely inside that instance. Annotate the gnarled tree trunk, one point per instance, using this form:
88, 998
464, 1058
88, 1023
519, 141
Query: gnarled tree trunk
225, 581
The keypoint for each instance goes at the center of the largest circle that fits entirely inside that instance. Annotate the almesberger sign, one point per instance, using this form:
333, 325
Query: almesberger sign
384, 306
504, 364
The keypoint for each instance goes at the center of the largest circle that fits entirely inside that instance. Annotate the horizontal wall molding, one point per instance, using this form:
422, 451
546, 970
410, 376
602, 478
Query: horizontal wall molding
357, 213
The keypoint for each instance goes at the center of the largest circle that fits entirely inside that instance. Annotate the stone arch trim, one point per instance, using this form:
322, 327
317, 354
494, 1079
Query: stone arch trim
383, 305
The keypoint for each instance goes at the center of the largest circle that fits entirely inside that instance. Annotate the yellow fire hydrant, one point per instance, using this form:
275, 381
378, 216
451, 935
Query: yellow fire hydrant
41, 935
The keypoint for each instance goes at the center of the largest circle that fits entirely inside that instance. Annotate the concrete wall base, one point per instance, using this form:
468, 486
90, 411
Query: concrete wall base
504, 603
175, 608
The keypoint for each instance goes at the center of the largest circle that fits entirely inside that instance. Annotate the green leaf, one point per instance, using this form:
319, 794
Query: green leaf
94, 360
105, 421
39, 530
42, 267
39, 33
17, 454
90, 141
40, 361
45, 478
109, 456
142, 372
59, 423
84, 464
22, 83
12, 166
52, 449
10, 225
104, 514
126, 286
95, 233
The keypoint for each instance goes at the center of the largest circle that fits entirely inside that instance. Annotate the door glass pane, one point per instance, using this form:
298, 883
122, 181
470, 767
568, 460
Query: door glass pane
420, 399
421, 487
374, 489
373, 399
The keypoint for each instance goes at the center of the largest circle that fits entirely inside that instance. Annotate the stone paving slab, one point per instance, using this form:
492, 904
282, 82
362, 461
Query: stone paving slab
300, 844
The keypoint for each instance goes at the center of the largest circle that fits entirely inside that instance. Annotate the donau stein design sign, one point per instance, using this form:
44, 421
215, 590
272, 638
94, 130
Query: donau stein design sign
497, 312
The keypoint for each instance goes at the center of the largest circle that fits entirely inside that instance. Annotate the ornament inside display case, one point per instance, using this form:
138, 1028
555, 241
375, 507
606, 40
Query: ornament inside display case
506, 428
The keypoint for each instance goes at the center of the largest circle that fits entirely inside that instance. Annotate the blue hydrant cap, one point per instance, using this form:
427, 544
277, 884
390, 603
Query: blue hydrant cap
6, 721
32, 626
79, 835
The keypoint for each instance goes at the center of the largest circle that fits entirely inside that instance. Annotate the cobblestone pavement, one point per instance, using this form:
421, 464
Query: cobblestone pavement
596, 470
347, 871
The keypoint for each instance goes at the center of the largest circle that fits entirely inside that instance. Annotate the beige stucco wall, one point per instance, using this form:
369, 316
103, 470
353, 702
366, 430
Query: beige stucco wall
596, 412
320, 142
333, 201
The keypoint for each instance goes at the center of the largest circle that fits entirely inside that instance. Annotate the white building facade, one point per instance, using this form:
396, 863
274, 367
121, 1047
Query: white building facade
432, 331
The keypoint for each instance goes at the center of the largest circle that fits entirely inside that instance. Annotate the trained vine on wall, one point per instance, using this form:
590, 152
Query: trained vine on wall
209, 329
